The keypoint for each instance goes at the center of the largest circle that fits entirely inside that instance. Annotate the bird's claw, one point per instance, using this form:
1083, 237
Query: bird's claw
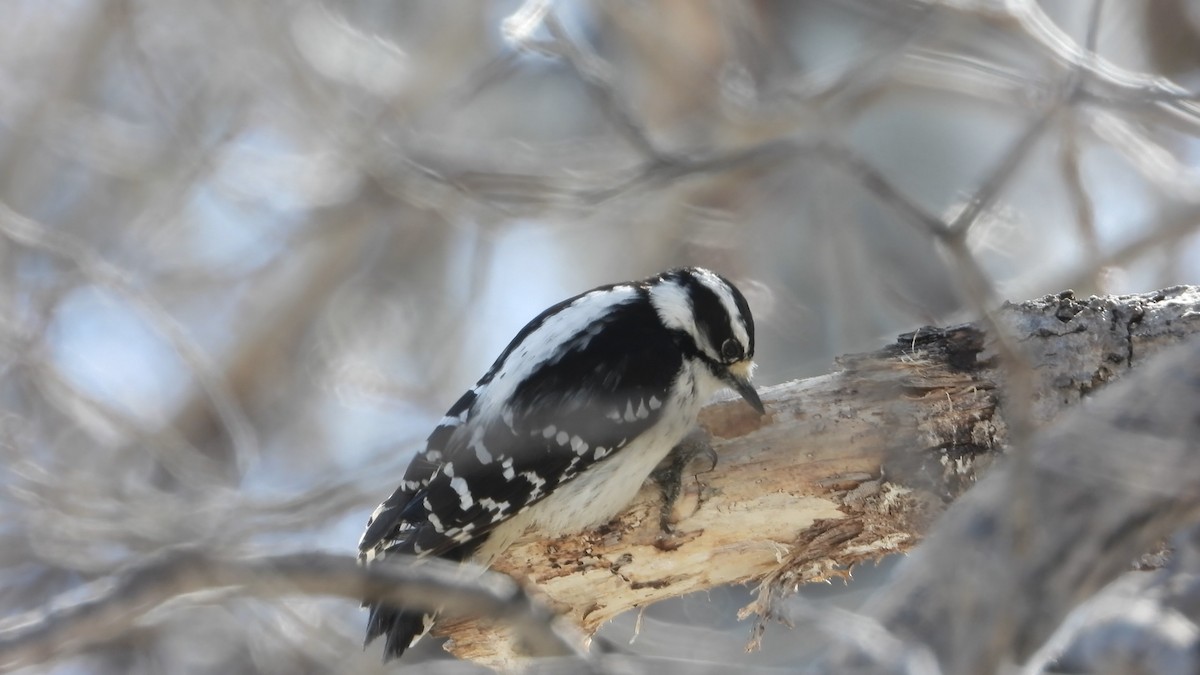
669, 474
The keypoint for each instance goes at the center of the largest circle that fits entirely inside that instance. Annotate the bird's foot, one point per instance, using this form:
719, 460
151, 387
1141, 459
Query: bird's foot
669, 474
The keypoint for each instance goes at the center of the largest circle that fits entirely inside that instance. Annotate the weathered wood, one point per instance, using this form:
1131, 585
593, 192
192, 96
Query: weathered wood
1105, 483
845, 467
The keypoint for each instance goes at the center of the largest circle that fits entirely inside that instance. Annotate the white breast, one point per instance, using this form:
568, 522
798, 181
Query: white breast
602, 491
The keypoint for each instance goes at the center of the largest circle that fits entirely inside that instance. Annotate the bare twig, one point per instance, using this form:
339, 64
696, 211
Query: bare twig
989, 191
595, 74
432, 586
28, 232
1085, 215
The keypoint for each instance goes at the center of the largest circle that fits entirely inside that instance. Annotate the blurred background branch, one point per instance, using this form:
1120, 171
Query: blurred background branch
434, 587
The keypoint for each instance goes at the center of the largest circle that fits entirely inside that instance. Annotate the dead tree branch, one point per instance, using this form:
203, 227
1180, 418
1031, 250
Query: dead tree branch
1110, 480
846, 467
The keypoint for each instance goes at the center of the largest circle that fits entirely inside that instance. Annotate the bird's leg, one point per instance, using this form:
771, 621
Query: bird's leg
669, 474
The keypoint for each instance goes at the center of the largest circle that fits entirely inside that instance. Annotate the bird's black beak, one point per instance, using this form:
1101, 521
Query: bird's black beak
737, 376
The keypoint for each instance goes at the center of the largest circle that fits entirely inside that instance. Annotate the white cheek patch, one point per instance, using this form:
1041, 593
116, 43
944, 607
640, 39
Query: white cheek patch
674, 307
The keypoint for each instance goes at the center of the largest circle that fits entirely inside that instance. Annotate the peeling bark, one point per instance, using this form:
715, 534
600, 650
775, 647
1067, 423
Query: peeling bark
1009, 561
845, 467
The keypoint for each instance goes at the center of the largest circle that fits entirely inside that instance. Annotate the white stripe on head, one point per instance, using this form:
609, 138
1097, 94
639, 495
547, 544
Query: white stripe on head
674, 306
719, 286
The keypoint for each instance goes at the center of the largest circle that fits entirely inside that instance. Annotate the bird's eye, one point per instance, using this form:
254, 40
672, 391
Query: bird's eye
732, 350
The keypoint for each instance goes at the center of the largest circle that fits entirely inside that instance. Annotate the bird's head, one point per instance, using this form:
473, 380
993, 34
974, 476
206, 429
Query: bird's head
714, 319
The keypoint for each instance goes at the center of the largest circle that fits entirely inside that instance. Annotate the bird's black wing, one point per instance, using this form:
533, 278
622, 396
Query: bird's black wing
504, 447
606, 388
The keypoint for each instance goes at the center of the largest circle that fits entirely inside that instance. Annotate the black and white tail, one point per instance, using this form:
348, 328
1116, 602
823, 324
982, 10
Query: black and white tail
400, 628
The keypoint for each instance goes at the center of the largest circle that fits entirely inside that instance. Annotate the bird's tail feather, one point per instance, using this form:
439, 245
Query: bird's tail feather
401, 628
